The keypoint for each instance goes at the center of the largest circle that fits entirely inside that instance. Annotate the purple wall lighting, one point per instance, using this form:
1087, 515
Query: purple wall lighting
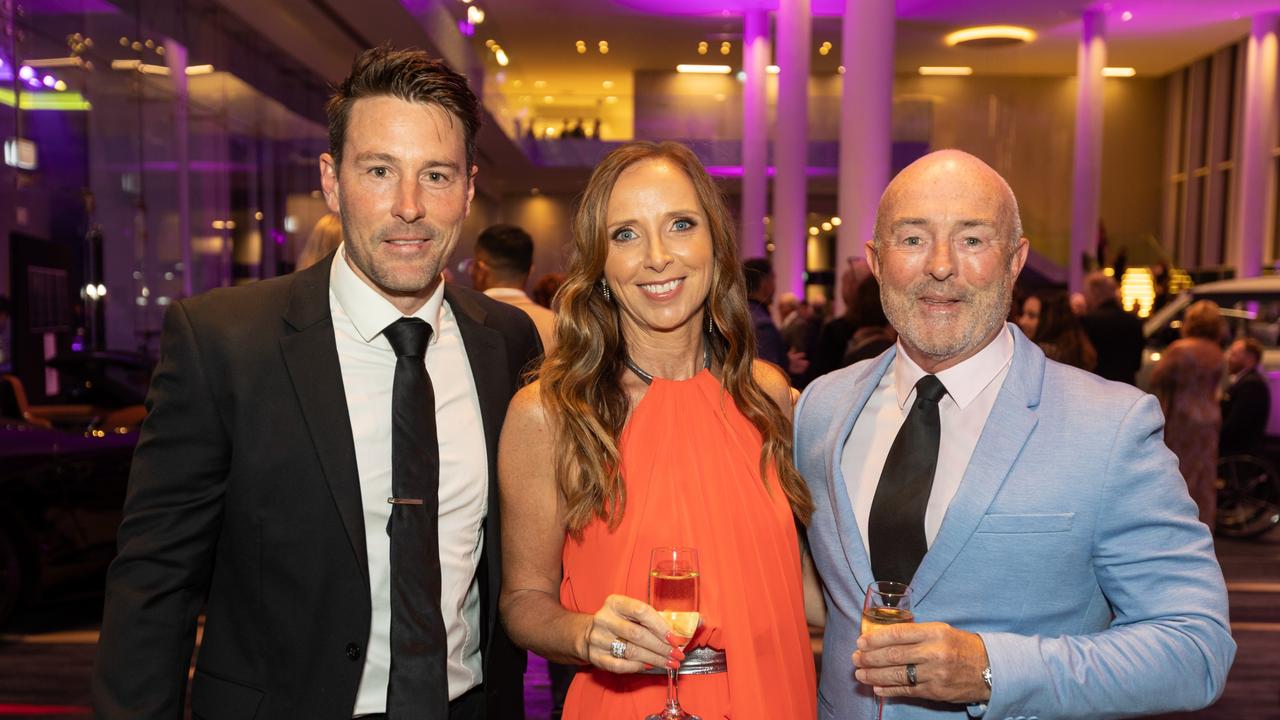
27, 73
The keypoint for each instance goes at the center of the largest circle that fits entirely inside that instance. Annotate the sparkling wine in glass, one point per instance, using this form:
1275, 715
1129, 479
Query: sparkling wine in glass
887, 603
673, 592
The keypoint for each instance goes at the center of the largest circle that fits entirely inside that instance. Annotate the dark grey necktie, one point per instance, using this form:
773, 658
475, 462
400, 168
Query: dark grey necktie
419, 684
895, 528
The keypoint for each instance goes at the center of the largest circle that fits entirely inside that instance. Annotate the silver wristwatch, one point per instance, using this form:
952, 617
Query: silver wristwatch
986, 676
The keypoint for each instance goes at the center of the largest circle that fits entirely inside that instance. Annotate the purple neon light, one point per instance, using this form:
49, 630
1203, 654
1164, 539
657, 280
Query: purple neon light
27, 72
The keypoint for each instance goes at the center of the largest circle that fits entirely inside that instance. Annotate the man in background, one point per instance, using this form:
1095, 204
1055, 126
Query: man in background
504, 257
1115, 334
761, 285
1246, 405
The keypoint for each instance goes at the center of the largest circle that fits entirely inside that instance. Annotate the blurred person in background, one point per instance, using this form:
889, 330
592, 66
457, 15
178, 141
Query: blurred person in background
1246, 403
500, 269
1058, 333
833, 339
1186, 380
325, 237
1028, 313
1116, 335
545, 289
653, 424
874, 334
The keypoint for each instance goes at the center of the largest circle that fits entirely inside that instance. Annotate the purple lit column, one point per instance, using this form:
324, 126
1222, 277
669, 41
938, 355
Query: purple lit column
791, 145
755, 132
866, 118
1091, 57
1257, 136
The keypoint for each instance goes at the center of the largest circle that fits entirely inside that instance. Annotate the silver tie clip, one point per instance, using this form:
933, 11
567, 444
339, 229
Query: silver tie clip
404, 501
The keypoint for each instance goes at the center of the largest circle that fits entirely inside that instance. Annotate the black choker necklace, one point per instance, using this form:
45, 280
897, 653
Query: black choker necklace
648, 379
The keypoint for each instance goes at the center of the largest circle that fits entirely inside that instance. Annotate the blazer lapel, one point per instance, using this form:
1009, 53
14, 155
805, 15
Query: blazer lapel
842, 506
311, 355
1008, 426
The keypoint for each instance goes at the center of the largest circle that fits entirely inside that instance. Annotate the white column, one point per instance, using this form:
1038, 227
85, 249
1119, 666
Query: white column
866, 119
176, 59
1257, 137
1087, 166
791, 146
755, 132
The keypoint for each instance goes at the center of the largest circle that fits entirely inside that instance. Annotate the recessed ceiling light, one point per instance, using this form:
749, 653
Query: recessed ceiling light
539, 83
945, 70
773, 69
501, 56
1118, 72
990, 36
607, 84
1126, 16
704, 69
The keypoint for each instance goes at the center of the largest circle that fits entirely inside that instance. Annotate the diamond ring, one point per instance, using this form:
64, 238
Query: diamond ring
911, 674
618, 649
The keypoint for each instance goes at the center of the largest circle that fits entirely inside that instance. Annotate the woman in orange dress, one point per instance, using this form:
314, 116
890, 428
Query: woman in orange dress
652, 424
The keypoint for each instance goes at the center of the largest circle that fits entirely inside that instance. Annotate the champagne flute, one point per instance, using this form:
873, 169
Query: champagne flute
887, 603
673, 592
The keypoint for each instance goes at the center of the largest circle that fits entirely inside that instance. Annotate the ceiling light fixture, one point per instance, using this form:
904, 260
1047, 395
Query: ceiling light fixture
1118, 72
945, 70
501, 56
990, 36
475, 15
704, 69
773, 69
607, 84
1126, 16
199, 70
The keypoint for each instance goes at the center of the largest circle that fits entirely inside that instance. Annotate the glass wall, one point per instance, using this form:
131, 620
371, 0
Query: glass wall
154, 149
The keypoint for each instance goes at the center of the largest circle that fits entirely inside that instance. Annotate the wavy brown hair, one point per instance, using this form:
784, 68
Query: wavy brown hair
581, 385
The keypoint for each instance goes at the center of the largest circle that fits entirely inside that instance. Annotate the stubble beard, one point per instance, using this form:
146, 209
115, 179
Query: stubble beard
985, 309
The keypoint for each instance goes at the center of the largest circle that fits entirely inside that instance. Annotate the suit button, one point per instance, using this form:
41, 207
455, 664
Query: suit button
353, 651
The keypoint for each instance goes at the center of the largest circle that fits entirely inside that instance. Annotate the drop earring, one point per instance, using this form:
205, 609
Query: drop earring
604, 288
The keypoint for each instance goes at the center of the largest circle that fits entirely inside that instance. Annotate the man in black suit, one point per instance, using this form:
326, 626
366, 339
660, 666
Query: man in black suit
1115, 334
264, 488
1246, 405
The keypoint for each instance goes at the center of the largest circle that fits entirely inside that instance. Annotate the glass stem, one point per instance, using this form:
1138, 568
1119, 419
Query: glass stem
673, 692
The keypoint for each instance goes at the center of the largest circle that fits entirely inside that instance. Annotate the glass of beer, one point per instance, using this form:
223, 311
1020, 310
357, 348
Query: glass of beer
673, 592
887, 603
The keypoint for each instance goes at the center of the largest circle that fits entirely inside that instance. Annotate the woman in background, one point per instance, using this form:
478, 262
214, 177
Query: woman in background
1059, 333
325, 237
1186, 380
652, 424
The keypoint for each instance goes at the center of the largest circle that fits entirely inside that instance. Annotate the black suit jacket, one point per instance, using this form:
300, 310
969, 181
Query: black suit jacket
244, 498
1246, 408
1117, 336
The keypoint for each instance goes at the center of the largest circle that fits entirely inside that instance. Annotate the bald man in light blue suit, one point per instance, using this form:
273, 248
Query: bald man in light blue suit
1066, 573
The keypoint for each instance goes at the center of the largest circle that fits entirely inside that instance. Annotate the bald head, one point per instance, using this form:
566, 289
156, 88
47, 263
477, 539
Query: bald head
947, 249
948, 171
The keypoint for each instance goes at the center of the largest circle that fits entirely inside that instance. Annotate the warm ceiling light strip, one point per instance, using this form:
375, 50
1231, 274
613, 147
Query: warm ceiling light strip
705, 69
944, 70
990, 32
1118, 72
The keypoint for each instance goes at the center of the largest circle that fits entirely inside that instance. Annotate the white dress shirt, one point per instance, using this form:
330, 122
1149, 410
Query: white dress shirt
972, 387
368, 372
543, 319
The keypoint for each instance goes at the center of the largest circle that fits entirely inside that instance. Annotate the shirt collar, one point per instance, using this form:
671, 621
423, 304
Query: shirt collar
371, 313
965, 381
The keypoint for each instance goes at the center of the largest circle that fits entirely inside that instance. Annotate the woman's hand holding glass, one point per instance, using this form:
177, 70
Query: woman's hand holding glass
646, 638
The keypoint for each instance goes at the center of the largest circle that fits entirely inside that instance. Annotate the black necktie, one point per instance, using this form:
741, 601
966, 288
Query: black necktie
419, 684
895, 528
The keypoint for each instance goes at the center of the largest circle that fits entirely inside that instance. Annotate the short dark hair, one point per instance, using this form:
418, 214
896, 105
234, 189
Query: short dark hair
409, 75
757, 271
508, 249
1253, 347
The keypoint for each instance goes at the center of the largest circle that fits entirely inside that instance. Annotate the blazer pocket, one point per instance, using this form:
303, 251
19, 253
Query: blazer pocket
1032, 523
214, 697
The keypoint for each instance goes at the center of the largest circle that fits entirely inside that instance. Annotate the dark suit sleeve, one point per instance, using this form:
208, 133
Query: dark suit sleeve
172, 515
1245, 417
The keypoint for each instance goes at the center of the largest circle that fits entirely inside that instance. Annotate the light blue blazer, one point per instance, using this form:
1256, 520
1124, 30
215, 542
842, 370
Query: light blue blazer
1071, 547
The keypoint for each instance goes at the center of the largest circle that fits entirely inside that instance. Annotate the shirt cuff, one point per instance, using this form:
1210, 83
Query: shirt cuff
977, 710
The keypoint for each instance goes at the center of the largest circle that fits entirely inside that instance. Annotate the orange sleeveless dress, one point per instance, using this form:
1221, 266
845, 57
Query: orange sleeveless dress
690, 461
